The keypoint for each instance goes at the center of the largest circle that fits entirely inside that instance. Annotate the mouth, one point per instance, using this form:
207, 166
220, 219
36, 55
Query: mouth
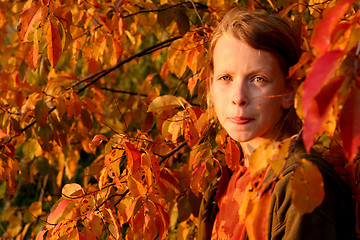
241, 120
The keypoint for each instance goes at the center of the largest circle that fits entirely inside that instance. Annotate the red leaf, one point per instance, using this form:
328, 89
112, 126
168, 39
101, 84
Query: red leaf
320, 38
134, 157
232, 154
97, 140
55, 215
54, 44
319, 109
28, 18
350, 124
322, 71
41, 113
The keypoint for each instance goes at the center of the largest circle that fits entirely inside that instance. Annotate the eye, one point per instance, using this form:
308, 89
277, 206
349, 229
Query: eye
225, 78
258, 80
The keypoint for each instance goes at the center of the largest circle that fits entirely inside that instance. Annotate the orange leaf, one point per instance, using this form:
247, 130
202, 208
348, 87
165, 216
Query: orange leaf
349, 124
112, 173
162, 221
54, 44
191, 134
41, 113
320, 38
28, 19
40, 235
134, 157
154, 165
232, 154
197, 179
308, 187
135, 187
257, 217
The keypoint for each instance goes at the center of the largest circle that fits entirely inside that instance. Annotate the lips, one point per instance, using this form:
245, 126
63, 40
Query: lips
240, 120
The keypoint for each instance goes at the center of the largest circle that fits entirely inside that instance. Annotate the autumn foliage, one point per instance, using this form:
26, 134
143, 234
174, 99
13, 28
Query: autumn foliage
104, 132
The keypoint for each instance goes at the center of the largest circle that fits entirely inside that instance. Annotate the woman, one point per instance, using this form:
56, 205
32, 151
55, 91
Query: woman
250, 56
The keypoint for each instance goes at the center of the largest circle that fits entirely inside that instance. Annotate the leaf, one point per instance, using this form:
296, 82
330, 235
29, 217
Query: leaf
260, 158
72, 190
154, 165
40, 235
307, 187
319, 109
41, 113
28, 19
135, 187
134, 157
277, 163
54, 44
349, 124
321, 36
232, 154
96, 141
191, 134
197, 179
59, 212
182, 21
322, 71
166, 102
113, 173
257, 220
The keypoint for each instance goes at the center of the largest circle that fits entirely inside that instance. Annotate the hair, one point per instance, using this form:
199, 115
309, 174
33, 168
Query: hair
266, 32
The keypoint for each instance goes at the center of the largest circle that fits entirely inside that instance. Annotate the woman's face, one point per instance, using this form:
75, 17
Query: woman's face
247, 88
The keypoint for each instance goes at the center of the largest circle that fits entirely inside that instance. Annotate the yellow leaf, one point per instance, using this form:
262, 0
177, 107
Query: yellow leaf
36, 209
260, 157
308, 187
166, 102
72, 190
135, 187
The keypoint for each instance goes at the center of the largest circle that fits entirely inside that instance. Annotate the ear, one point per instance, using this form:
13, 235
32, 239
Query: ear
288, 100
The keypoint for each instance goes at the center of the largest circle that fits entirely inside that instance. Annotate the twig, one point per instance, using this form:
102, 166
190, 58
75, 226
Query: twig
172, 152
122, 91
149, 50
167, 8
197, 13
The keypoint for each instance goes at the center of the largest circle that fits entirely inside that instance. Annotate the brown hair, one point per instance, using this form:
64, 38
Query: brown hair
264, 32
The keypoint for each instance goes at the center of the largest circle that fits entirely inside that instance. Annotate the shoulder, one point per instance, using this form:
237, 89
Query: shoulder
333, 219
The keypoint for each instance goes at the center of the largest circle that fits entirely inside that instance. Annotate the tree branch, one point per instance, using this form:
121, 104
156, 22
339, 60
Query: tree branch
167, 8
172, 152
146, 51
125, 92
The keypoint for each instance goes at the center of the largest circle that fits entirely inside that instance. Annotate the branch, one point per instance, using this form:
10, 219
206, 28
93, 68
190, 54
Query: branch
172, 152
125, 92
166, 8
146, 51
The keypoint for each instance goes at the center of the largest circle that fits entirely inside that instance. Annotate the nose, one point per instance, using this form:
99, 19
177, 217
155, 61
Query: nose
240, 94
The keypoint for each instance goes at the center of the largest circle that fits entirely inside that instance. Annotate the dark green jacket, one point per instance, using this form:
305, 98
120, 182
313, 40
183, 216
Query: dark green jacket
333, 219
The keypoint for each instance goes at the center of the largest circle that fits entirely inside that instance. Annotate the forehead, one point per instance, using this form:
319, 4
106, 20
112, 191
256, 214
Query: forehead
232, 53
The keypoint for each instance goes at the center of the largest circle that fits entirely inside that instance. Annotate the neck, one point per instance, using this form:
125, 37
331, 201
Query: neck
249, 147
